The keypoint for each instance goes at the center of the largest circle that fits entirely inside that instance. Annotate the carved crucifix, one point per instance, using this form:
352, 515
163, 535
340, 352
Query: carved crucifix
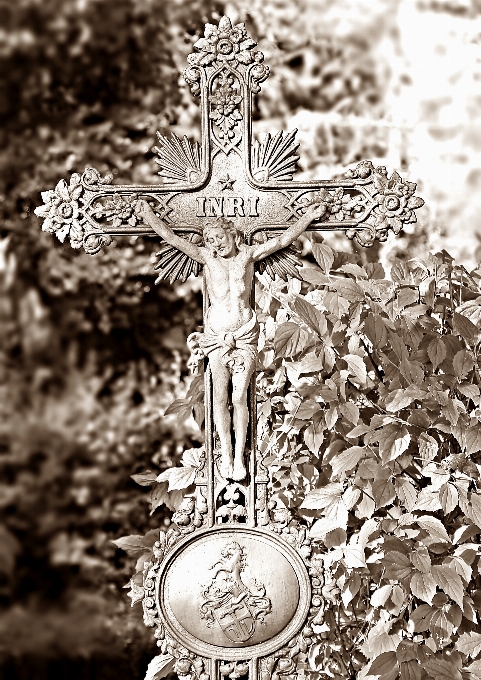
229, 206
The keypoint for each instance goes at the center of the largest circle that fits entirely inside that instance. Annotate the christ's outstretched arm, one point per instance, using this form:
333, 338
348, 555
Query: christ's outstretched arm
314, 212
145, 212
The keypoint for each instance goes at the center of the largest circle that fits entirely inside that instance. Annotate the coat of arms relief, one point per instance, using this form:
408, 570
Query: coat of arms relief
233, 600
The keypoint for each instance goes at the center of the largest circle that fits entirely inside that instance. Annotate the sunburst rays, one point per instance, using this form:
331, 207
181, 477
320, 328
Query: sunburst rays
179, 159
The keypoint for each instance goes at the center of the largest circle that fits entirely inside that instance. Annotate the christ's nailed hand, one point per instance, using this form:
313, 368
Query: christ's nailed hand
144, 211
315, 211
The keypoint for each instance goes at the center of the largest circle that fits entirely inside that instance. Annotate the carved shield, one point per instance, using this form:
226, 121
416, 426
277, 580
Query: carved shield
235, 618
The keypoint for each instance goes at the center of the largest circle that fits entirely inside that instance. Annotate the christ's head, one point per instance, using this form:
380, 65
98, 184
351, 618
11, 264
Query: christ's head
222, 238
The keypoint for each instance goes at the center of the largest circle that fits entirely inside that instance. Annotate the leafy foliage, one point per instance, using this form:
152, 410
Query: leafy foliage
368, 409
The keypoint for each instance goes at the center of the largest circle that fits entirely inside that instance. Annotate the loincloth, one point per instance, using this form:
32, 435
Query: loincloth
236, 347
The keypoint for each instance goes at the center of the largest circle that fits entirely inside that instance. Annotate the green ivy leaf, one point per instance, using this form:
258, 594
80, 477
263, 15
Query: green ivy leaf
434, 527
160, 667
423, 586
376, 330
357, 367
449, 581
393, 441
348, 289
347, 460
178, 477
462, 363
146, 478
466, 329
437, 352
421, 617
290, 339
324, 256
133, 543
314, 435
441, 669
448, 497
383, 664
318, 499
398, 566
311, 316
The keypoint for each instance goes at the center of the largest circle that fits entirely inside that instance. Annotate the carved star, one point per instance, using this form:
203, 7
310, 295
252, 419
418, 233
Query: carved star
226, 182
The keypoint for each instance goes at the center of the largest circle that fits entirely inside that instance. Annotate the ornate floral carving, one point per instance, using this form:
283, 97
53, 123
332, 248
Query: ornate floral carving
94, 241
234, 669
167, 540
118, 209
193, 77
225, 106
61, 211
64, 212
190, 514
227, 45
340, 205
224, 44
395, 203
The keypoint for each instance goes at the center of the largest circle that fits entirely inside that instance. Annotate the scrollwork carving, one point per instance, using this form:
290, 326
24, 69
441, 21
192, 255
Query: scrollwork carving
91, 176
258, 73
94, 241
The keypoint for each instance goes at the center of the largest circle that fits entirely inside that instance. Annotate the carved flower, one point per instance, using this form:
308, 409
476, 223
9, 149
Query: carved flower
225, 43
337, 202
61, 211
225, 102
394, 204
395, 201
118, 210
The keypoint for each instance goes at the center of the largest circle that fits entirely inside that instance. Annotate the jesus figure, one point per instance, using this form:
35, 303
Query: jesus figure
230, 328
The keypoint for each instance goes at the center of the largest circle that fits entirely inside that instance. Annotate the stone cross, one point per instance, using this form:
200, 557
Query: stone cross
229, 206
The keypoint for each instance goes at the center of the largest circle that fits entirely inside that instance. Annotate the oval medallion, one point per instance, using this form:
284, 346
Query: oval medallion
228, 589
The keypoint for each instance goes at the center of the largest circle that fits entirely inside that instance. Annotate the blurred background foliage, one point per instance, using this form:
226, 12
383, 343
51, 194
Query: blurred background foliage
91, 352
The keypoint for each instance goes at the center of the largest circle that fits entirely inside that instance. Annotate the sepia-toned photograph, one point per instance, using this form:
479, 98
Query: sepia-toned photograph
240, 339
